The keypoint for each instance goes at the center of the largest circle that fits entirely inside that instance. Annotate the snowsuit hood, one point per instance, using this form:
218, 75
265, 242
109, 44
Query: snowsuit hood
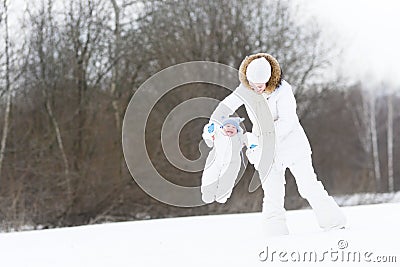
276, 72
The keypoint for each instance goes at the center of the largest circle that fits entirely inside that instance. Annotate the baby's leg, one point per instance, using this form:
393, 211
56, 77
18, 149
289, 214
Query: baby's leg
209, 180
226, 181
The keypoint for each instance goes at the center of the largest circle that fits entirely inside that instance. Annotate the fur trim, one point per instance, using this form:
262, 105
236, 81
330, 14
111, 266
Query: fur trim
276, 72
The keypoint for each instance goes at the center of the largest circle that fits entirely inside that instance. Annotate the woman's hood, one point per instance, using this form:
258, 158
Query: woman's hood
276, 72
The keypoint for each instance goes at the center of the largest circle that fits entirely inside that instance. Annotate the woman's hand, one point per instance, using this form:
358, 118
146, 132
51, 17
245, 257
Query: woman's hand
253, 151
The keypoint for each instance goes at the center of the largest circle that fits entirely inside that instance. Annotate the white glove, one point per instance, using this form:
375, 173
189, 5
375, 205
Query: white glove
253, 151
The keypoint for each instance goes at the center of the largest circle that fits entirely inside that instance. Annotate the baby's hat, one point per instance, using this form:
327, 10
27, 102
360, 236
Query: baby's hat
235, 121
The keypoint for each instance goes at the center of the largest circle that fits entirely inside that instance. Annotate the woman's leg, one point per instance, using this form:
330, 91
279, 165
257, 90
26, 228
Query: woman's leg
273, 211
325, 208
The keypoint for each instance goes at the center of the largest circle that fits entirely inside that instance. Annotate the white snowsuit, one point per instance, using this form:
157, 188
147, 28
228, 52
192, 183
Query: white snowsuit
222, 164
292, 150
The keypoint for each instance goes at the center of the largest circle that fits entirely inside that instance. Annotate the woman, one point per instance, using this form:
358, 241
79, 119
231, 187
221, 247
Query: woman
262, 85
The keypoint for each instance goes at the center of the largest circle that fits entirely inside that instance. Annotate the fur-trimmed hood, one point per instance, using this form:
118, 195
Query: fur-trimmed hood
276, 72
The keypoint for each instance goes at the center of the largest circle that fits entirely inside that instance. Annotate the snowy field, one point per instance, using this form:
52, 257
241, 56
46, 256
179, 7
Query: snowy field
372, 237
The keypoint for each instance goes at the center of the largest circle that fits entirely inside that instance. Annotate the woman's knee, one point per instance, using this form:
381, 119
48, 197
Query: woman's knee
308, 188
306, 178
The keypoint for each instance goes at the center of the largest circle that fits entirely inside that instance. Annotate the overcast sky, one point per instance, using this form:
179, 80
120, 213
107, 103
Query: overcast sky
369, 30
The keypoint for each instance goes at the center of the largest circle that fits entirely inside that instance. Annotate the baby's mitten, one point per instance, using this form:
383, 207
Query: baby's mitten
209, 134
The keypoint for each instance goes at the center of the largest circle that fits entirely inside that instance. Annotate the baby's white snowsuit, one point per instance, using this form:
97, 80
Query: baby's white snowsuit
222, 164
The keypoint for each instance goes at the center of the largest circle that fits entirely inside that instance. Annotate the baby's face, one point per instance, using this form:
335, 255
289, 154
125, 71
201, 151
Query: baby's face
229, 129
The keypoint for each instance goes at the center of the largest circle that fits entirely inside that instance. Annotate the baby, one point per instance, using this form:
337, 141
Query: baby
223, 161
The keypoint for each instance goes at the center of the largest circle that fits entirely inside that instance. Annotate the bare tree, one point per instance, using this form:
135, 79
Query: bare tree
11, 71
374, 139
8, 92
45, 50
115, 67
361, 104
298, 46
390, 141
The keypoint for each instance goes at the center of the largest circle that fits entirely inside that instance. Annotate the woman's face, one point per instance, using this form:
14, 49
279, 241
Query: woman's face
258, 87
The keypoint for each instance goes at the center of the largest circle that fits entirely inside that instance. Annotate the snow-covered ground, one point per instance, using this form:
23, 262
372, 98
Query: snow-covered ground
221, 240
367, 198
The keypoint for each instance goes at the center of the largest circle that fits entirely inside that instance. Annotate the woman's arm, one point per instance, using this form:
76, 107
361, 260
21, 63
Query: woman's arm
226, 107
